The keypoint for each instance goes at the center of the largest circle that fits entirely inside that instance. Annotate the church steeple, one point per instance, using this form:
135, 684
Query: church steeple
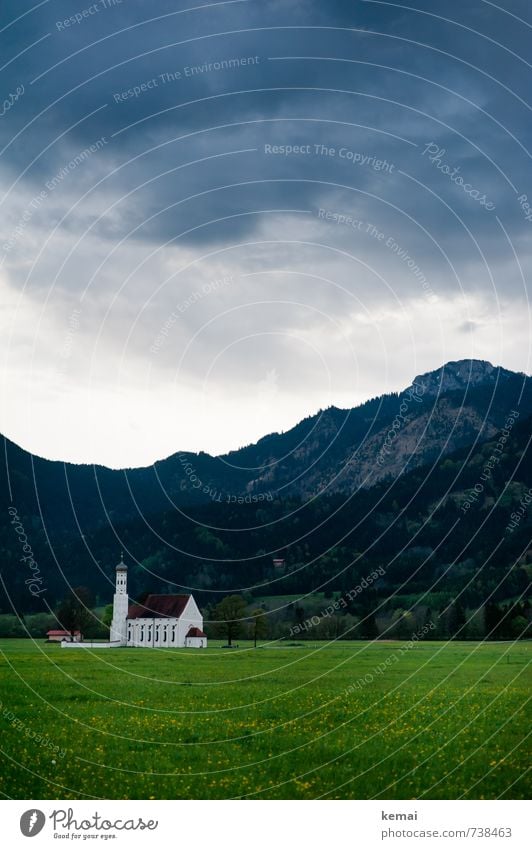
121, 576
120, 604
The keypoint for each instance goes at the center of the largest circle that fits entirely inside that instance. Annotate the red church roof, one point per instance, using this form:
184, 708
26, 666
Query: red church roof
195, 632
159, 607
62, 633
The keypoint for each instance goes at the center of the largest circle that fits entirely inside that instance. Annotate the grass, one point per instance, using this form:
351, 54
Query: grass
285, 722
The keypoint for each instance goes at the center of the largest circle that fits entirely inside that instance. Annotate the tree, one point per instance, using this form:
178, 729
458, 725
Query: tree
11, 626
475, 626
492, 620
404, 623
367, 627
519, 628
229, 615
75, 611
39, 623
259, 625
299, 614
107, 616
456, 621
429, 626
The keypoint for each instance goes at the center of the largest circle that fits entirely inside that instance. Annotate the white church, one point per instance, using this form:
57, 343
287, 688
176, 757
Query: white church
162, 621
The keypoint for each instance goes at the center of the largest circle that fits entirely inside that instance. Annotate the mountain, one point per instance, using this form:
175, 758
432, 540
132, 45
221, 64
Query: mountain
342, 492
336, 450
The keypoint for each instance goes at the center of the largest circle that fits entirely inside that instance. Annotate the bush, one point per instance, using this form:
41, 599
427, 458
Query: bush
11, 626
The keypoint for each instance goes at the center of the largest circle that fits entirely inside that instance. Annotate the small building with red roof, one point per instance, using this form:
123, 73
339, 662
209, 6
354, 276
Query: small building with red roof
58, 636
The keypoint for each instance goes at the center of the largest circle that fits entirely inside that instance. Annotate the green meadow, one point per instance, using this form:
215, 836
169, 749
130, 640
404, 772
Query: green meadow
344, 720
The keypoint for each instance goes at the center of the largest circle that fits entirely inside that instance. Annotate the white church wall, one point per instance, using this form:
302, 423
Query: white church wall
191, 617
151, 633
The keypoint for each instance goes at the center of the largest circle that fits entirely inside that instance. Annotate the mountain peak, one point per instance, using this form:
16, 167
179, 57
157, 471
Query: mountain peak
460, 374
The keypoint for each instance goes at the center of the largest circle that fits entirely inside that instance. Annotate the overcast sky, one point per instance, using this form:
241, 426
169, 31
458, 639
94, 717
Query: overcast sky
218, 218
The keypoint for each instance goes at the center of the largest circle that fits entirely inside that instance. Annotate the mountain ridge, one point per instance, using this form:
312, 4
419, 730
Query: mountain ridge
332, 451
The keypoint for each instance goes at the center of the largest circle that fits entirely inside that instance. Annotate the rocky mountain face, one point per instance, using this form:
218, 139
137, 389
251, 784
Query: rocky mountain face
461, 375
460, 404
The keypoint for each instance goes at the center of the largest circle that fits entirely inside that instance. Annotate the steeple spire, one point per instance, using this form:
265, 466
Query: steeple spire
121, 566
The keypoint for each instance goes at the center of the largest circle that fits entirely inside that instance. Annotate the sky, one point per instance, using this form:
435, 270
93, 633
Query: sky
218, 218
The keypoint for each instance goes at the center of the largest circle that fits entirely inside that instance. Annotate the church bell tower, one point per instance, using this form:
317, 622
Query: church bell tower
120, 605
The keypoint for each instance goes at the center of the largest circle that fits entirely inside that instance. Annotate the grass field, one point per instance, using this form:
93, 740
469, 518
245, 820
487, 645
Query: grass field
287, 722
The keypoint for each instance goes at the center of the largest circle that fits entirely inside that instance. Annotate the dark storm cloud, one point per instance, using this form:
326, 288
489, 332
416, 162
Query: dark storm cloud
138, 75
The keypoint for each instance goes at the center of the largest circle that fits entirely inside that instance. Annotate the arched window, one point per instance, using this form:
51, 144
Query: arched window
165, 634
156, 633
142, 633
